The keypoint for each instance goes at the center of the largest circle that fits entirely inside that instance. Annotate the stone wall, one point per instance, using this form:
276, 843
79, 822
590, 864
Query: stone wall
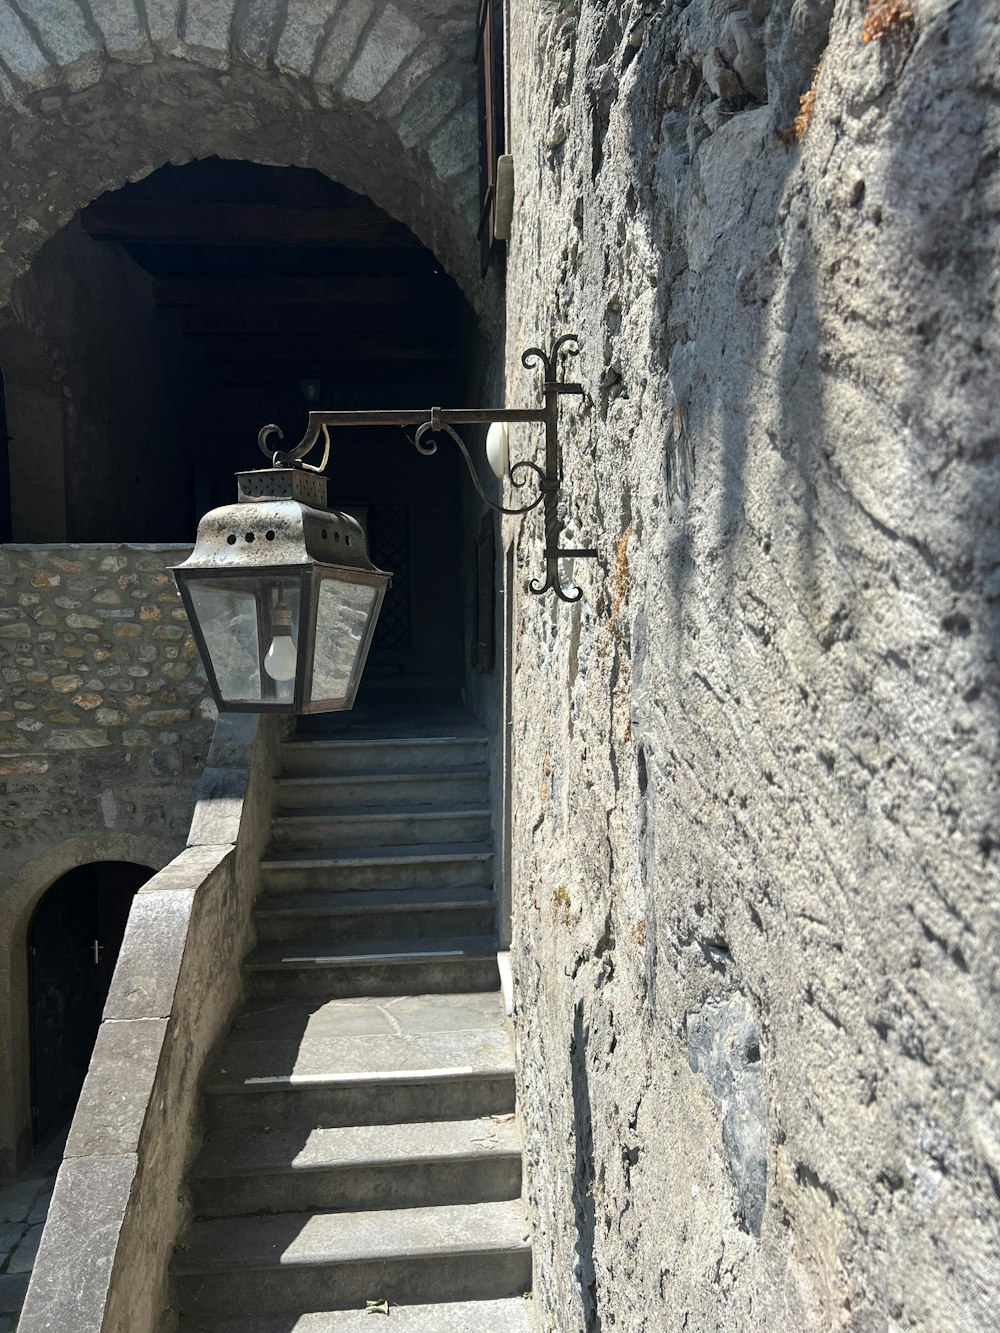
99, 674
105, 722
119, 1201
756, 839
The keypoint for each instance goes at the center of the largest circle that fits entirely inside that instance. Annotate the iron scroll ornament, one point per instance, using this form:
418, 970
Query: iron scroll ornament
441, 420
435, 425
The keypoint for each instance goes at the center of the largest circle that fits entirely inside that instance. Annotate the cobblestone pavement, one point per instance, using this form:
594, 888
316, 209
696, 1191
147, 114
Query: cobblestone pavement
23, 1208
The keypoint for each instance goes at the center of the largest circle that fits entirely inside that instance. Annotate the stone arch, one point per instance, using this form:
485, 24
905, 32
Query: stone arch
377, 94
17, 903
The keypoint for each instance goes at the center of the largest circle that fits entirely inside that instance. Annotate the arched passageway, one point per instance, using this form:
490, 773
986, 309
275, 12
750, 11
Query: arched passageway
182, 312
73, 943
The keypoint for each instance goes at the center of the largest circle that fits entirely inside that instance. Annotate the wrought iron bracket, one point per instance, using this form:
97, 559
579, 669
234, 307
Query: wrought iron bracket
442, 421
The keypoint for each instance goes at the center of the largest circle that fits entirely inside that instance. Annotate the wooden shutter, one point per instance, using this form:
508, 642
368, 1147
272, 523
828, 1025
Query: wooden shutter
489, 58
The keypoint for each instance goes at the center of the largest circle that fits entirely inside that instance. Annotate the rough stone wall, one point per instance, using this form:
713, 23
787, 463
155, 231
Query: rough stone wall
379, 94
105, 713
105, 724
757, 832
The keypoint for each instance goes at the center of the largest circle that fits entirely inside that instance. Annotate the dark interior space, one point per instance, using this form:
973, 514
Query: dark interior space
289, 291
5, 524
207, 300
73, 943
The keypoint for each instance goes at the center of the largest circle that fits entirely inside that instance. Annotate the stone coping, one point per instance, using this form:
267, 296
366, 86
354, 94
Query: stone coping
119, 1201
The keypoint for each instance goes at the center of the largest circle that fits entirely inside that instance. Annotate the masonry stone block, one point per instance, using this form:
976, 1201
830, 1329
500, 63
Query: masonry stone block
144, 985
86, 738
61, 26
112, 1105
341, 44
118, 21
69, 1285
168, 763
437, 99
161, 16
390, 40
304, 27
206, 32
429, 60
453, 148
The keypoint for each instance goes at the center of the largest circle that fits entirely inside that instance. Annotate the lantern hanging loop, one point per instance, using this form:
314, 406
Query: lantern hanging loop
293, 457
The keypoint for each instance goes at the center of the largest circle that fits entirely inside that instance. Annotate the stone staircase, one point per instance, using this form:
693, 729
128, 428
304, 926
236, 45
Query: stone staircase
360, 1139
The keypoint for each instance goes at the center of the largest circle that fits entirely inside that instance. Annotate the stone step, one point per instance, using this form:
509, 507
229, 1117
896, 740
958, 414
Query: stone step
514, 1315
376, 914
395, 754
301, 1261
414, 867
378, 827
424, 967
363, 1061
295, 1168
449, 787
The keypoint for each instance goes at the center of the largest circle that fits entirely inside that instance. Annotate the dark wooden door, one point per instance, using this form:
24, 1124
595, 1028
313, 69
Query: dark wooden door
73, 945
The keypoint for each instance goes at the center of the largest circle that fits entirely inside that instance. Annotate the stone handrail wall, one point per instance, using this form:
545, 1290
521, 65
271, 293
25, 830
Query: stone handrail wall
119, 1200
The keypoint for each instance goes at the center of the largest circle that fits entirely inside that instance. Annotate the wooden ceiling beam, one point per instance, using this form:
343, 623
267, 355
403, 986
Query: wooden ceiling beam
240, 293
208, 322
181, 223
349, 374
316, 352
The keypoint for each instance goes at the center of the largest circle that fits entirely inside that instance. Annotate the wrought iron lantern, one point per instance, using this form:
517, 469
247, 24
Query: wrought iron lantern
436, 421
282, 597
279, 589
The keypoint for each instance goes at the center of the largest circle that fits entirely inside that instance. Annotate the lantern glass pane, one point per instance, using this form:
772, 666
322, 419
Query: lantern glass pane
236, 617
342, 615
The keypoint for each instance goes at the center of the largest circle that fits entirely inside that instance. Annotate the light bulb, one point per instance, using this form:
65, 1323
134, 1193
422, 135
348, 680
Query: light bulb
282, 657
497, 449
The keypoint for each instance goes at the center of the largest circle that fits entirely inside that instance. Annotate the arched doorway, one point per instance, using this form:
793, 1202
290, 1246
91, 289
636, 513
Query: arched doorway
73, 943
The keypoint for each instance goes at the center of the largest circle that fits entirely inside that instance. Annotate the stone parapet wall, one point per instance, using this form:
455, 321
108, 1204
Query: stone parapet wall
119, 1201
103, 700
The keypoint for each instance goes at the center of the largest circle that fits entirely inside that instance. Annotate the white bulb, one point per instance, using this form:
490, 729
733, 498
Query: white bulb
497, 454
281, 658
